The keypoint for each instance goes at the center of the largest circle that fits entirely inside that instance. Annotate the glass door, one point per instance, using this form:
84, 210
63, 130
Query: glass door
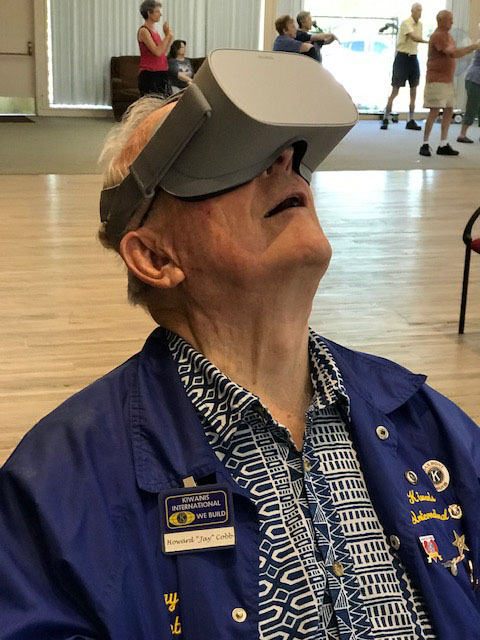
362, 60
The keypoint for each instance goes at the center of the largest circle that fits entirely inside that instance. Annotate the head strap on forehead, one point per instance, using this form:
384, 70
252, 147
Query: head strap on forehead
229, 126
136, 191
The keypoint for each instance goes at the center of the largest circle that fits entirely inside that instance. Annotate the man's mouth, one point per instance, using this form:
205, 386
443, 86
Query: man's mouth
288, 203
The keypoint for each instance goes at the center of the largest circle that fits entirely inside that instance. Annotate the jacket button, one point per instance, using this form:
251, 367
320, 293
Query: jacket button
338, 569
395, 542
307, 465
382, 432
411, 477
239, 614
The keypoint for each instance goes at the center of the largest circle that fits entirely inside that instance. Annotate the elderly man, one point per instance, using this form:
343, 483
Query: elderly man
305, 23
439, 89
241, 477
405, 65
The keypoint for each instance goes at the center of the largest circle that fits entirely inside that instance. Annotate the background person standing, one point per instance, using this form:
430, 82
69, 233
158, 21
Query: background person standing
472, 86
153, 69
439, 89
405, 65
305, 23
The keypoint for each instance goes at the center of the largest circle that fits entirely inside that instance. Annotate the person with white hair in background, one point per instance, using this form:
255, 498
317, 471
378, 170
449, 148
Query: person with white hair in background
439, 88
305, 23
405, 65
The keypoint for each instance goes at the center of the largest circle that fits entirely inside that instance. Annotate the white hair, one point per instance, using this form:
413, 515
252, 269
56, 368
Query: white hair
118, 136
120, 148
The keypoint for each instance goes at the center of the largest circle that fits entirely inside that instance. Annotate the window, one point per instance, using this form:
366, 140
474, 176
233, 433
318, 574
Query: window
363, 60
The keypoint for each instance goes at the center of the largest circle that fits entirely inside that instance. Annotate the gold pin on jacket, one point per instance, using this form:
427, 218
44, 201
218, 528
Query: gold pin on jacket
459, 542
455, 511
461, 545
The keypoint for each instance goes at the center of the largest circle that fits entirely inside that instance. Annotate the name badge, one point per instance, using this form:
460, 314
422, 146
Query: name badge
196, 519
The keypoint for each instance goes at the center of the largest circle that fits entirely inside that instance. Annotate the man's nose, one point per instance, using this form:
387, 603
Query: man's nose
284, 162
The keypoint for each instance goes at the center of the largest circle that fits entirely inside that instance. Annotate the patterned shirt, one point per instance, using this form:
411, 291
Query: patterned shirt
326, 569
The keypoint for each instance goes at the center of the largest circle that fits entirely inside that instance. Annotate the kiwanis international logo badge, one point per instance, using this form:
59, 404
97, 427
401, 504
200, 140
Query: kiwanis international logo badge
438, 474
181, 518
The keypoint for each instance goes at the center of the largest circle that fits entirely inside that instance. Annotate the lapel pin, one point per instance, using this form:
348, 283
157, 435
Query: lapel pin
459, 542
455, 511
438, 474
452, 565
430, 547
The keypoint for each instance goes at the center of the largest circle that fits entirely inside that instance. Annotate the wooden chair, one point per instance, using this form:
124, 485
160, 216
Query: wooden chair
471, 245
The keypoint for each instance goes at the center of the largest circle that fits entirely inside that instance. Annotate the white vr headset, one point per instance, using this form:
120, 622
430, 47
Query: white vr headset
236, 118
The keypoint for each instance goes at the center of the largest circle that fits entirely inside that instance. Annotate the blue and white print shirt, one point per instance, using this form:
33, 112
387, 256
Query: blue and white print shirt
327, 571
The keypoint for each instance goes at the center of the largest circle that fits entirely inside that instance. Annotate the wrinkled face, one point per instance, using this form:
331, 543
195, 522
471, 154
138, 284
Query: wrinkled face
250, 238
291, 29
416, 12
446, 20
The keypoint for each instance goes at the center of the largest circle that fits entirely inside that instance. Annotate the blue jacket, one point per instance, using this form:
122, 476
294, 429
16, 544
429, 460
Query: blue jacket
80, 553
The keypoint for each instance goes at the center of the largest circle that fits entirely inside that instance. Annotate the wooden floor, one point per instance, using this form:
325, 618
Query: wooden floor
393, 287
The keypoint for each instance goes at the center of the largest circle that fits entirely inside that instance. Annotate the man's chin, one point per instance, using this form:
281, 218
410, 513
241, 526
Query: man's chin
308, 262
313, 253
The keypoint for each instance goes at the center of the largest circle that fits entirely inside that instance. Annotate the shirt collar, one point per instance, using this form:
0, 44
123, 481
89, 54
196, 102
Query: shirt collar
168, 438
222, 404
326, 378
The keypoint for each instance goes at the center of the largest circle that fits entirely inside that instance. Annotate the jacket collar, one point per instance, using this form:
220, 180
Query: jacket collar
385, 385
169, 442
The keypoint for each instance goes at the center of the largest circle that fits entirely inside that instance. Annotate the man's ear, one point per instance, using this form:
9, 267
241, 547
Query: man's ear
146, 258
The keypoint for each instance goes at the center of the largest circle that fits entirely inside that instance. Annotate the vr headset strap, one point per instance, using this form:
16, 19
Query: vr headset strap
138, 188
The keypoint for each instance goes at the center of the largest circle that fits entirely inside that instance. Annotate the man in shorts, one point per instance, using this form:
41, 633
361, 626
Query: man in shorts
405, 66
439, 89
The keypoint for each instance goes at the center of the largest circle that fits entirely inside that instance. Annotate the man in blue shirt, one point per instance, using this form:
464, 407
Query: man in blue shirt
286, 39
241, 477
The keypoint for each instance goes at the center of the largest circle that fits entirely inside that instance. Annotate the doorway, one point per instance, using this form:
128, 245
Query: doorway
17, 62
